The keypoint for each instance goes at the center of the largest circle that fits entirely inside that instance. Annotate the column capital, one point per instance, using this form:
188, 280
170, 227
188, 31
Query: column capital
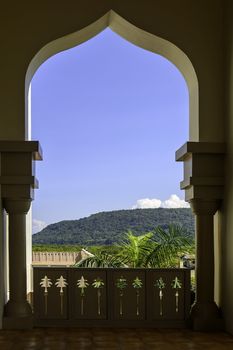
203, 170
204, 207
17, 206
17, 168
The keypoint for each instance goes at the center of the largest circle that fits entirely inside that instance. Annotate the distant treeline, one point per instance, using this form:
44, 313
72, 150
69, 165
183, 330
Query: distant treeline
108, 228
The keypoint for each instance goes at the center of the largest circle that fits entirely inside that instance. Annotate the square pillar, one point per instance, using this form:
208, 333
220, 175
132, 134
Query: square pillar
17, 180
203, 184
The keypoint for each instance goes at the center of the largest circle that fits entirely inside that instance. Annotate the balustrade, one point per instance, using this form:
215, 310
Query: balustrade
97, 296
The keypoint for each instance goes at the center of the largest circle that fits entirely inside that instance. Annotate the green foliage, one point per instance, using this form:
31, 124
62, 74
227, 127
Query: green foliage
159, 283
135, 249
108, 228
101, 260
98, 283
159, 249
168, 245
137, 283
121, 283
176, 283
55, 248
193, 283
112, 249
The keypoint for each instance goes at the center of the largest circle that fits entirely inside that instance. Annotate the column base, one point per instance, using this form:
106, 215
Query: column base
17, 309
206, 317
17, 315
17, 322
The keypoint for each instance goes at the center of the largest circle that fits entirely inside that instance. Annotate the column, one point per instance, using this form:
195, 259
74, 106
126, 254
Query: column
17, 311
18, 182
205, 314
204, 189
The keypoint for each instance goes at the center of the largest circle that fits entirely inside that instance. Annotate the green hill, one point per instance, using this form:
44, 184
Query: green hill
107, 228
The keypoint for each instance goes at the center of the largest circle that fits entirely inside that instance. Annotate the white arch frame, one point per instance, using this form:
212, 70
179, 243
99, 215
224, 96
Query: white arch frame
134, 35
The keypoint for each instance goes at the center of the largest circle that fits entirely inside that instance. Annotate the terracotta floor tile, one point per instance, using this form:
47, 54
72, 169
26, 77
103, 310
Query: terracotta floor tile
113, 339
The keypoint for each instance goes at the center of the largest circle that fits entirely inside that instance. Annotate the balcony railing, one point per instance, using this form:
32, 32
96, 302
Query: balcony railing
111, 297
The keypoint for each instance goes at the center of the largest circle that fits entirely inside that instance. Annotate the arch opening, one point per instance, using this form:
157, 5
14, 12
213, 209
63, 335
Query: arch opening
134, 35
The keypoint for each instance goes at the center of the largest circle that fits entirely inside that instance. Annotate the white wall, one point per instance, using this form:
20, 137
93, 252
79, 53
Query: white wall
227, 222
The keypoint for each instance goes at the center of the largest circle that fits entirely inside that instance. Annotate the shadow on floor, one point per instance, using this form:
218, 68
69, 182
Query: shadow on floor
109, 338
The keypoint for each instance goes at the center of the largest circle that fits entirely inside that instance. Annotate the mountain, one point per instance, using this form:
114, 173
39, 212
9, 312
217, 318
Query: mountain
107, 228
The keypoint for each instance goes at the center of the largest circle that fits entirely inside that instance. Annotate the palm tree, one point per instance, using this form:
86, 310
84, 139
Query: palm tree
101, 259
168, 245
135, 249
160, 248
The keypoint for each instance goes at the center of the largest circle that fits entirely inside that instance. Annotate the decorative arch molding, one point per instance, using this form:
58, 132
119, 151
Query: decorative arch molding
134, 35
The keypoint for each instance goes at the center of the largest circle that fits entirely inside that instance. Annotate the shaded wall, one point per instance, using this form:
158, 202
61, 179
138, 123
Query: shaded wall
4, 270
193, 26
227, 228
1, 265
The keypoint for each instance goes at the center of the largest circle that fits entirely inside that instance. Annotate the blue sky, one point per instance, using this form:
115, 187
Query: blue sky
109, 116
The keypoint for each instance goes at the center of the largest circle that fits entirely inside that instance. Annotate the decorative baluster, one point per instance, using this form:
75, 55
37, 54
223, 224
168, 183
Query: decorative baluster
159, 283
121, 284
61, 283
137, 284
82, 284
46, 283
98, 283
176, 284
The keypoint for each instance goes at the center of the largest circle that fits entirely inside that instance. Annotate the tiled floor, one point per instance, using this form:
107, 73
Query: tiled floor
108, 339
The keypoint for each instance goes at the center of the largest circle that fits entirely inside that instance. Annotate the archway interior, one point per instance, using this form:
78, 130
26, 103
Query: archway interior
109, 116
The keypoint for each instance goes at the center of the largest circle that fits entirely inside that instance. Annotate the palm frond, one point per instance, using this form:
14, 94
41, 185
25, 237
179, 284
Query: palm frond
169, 245
135, 248
101, 260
